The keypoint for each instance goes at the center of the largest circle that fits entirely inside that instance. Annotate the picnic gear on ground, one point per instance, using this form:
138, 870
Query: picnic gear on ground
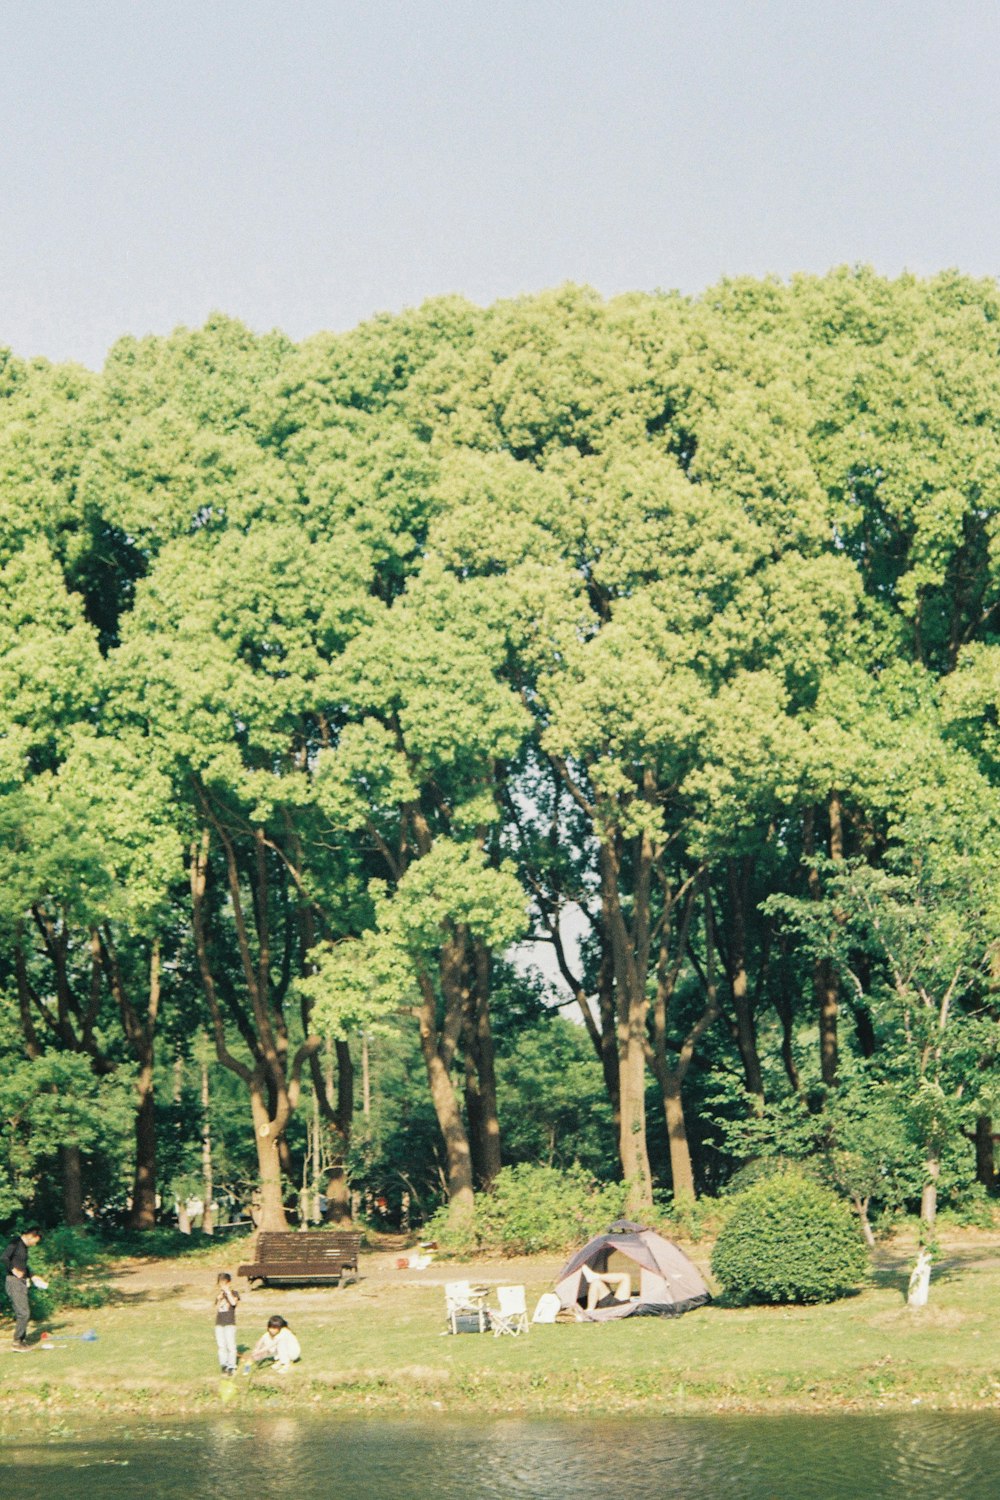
669, 1283
465, 1307
512, 1314
546, 1308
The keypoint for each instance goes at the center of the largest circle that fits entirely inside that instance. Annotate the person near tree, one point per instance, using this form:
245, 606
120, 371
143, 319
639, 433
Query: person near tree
18, 1279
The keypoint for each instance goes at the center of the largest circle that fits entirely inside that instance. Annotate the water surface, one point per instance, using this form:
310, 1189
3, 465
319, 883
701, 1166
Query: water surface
698, 1458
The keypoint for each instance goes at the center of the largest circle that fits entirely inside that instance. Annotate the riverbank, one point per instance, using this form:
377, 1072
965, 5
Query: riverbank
378, 1345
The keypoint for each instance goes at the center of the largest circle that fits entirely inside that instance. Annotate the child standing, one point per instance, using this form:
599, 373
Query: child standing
226, 1299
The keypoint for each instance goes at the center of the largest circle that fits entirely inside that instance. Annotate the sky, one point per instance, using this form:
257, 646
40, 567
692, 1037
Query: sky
306, 164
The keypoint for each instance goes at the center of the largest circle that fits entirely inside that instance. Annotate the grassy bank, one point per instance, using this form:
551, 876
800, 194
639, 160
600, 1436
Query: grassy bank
377, 1345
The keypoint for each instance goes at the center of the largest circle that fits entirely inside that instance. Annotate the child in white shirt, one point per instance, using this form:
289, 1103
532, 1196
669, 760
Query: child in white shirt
279, 1343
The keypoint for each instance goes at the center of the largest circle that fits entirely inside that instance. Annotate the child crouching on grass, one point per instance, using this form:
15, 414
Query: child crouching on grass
279, 1343
226, 1299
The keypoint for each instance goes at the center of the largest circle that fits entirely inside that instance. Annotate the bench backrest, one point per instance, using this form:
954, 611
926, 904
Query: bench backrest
312, 1247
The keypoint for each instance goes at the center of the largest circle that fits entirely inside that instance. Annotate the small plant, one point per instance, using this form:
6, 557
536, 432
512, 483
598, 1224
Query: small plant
789, 1239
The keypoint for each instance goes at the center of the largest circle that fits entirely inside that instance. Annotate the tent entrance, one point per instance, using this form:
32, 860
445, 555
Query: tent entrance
627, 1272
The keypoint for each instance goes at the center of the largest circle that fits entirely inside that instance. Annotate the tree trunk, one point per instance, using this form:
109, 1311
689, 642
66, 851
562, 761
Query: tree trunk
928, 1198
861, 1204
827, 988
681, 1170
338, 1195
608, 1048
456, 1141
272, 1085
601, 1030
272, 1202
671, 1078
632, 1138
746, 1035
142, 1214
474, 1115
826, 979
783, 1007
480, 1077
340, 1125
449, 1117
630, 951
985, 1159
140, 1030
207, 1174
72, 1184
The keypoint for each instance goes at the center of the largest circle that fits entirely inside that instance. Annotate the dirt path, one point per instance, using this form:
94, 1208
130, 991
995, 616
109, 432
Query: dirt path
191, 1282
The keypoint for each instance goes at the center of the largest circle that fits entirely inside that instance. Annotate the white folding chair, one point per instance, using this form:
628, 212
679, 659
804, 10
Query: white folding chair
512, 1314
460, 1303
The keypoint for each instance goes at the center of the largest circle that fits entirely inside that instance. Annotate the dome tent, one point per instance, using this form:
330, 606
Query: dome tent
669, 1283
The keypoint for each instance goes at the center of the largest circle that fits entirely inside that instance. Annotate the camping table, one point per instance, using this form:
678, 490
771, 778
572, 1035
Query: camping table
478, 1296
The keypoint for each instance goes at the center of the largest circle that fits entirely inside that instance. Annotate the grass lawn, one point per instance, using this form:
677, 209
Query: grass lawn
378, 1345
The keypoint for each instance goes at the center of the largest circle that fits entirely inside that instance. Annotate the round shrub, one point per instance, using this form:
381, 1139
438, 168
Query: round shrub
789, 1239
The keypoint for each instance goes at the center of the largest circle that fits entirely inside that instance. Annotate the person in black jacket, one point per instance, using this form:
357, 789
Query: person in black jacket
15, 1263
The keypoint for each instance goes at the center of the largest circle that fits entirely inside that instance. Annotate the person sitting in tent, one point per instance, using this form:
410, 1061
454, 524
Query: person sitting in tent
601, 1284
669, 1283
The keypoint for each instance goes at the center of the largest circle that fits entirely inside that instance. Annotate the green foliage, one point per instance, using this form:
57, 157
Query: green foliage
65, 1250
530, 1209
53, 1101
475, 617
74, 1262
855, 1138
788, 1239
363, 981
554, 1106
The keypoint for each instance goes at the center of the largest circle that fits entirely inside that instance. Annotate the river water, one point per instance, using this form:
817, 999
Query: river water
260, 1457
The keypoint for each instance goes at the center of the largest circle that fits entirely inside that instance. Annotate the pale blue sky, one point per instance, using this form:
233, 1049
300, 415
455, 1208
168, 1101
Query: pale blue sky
305, 164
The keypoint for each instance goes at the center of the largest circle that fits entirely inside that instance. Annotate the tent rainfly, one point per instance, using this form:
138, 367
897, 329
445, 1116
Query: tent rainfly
669, 1283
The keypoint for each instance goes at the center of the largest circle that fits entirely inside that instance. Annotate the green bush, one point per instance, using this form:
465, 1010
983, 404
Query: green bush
65, 1250
62, 1291
760, 1169
532, 1209
73, 1262
789, 1239
701, 1220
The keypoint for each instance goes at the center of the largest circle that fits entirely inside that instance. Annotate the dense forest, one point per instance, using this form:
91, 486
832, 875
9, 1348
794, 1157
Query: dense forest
660, 632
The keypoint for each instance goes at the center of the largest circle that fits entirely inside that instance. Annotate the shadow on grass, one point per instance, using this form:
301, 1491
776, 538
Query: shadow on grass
168, 1244
894, 1275
121, 1297
731, 1304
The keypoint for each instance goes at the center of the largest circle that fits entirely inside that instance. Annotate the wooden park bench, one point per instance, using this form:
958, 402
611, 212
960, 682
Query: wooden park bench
319, 1256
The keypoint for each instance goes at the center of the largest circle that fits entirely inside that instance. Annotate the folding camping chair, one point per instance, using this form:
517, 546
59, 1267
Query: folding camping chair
512, 1314
466, 1309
